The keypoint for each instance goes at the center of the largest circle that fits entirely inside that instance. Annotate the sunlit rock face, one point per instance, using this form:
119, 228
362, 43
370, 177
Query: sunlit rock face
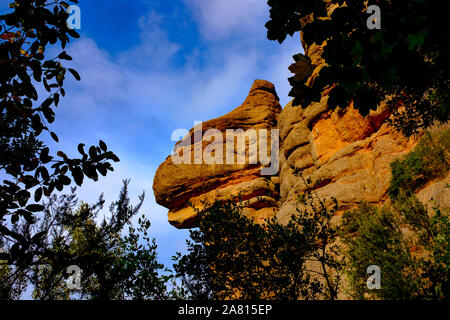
185, 187
345, 155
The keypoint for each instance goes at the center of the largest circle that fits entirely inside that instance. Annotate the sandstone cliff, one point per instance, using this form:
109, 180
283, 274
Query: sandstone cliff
346, 155
183, 187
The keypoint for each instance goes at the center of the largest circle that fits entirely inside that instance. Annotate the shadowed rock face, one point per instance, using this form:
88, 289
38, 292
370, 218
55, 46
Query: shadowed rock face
181, 187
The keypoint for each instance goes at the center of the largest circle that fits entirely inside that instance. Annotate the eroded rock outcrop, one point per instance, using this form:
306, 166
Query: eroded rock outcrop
182, 187
345, 155
348, 157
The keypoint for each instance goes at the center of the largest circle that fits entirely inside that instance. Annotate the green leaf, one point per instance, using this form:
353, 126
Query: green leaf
44, 157
46, 86
102, 169
49, 114
63, 55
75, 74
56, 98
92, 152
65, 180
47, 103
61, 154
22, 197
59, 185
44, 173
81, 149
28, 216
416, 40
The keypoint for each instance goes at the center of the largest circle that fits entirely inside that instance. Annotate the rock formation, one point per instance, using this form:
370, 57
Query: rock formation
344, 154
347, 156
183, 188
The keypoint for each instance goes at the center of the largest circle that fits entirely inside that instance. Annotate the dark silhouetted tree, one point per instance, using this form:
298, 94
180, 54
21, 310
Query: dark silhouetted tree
404, 62
28, 169
231, 257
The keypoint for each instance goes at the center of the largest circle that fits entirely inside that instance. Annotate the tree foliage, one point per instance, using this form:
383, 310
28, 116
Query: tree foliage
410, 245
12, 284
231, 257
403, 63
411, 248
374, 238
117, 260
115, 263
427, 161
30, 170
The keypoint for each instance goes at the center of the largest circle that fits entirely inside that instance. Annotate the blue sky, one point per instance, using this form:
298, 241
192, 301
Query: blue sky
149, 67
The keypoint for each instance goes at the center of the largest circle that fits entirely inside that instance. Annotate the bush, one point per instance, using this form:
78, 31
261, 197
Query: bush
231, 257
374, 238
412, 250
426, 162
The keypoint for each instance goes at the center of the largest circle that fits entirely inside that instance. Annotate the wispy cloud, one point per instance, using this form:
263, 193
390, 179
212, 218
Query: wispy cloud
218, 19
155, 51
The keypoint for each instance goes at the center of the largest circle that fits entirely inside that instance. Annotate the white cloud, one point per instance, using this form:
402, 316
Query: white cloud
155, 50
219, 19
